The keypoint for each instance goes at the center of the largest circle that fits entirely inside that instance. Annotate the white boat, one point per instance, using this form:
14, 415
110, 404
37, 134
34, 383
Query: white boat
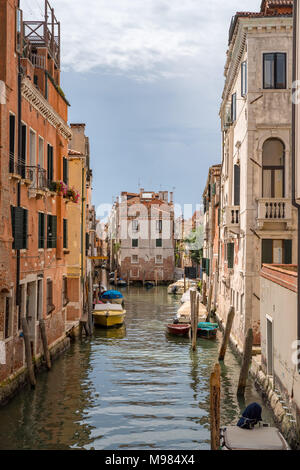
258, 438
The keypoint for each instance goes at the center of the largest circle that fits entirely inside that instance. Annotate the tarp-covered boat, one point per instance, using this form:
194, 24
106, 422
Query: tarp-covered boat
112, 296
207, 330
108, 315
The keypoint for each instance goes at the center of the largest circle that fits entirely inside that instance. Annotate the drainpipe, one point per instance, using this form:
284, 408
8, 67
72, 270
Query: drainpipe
82, 224
18, 296
295, 204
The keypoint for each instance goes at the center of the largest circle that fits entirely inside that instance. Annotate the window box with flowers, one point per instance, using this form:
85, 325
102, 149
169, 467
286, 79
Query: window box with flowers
61, 188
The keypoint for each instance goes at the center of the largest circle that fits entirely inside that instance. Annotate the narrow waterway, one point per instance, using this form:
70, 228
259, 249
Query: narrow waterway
128, 388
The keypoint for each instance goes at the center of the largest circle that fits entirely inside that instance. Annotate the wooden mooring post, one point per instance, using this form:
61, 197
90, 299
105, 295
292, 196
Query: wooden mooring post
28, 354
209, 302
193, 318
215, 407
247, 356
45, 343
184, 283
227, 332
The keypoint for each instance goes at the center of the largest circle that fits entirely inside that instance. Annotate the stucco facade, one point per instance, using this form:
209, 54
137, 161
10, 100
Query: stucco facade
258, 222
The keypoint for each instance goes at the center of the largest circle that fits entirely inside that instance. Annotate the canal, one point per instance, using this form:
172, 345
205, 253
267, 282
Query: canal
128, 388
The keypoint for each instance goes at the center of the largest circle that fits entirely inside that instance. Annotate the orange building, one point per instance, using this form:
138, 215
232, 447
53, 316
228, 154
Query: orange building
34, 138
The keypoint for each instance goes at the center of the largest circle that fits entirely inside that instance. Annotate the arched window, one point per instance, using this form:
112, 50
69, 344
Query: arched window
273, 168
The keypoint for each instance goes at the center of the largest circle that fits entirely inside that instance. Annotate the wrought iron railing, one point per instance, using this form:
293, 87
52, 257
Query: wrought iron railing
37, 176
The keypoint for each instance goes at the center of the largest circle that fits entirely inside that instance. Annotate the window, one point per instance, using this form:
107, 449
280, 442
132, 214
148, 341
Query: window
276, 251
12, 133
65, 170
32, 148
158, 259
159, 226
237, 185
244, 84
19, 20
50, 168
273, 168
87, 243
41, 243
19, 219
51, 231
274, 71
7, 318
158, 243
41, 152
233, 107
134, 259
39, 300
65, 291
65, 233
23, 150
50, 306
135, 243
230, 255
135, 225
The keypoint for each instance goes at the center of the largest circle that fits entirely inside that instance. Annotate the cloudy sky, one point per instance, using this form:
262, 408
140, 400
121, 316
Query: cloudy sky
146, 77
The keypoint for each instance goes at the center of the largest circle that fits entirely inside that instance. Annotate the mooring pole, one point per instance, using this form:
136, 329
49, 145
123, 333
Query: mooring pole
45, 343
227, 332
215, 407
28, 354
247, 356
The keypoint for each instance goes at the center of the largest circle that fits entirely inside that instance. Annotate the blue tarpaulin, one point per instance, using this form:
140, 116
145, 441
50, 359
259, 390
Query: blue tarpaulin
112, 294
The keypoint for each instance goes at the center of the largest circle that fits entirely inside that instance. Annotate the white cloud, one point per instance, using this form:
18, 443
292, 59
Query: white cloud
145, 39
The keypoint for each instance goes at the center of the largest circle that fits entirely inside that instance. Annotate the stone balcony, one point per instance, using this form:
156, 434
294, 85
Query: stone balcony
232, 218
274, 211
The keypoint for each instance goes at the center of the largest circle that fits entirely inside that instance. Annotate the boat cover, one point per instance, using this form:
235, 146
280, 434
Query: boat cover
258, 438
251, 416
112, 294
207, 325
106, 307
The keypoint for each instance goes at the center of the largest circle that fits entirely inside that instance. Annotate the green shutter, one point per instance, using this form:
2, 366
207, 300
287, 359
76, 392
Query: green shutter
214, 189
65, 170
12, 211
230, 255
237, 185
19, 228
267, 251
287, 251
41, 242
207, 263
65, 233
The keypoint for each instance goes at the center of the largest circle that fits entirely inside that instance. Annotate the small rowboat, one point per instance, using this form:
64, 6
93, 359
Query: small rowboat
207, 330
108, 315
179, 329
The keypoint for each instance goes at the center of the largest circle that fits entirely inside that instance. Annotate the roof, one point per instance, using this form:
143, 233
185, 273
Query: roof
74, 152
269, 8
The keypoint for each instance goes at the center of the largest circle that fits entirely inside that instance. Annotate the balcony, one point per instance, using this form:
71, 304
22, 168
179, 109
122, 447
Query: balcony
37, 178
232, 218
274, 210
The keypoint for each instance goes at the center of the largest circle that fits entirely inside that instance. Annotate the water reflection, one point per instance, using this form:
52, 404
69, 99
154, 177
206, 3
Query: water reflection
133, 387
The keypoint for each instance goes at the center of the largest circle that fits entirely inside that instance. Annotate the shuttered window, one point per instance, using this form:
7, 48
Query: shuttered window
65, 170
19, 219
12, 132
233, 107
287, 250
244, 85
237, 190
41, 242
134, 243
50, 168
87, 243
51, 231
267, 251
230, 255
65, 233
158, 243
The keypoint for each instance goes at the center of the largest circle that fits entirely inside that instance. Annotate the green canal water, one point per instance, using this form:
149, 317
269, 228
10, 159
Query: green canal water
129, 388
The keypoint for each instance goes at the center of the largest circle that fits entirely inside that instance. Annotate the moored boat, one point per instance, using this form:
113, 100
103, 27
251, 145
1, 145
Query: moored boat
108, 315
112, 296
207, 330
179, 329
